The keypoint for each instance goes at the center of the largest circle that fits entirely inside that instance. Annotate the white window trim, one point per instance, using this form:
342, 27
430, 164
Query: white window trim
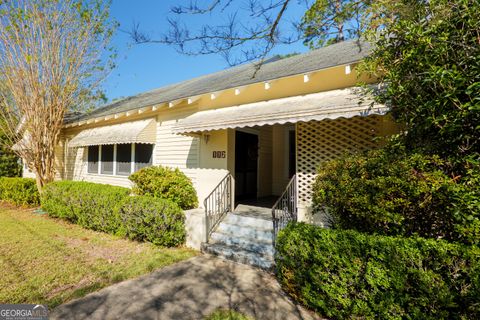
100, 159
115, 160
132, 168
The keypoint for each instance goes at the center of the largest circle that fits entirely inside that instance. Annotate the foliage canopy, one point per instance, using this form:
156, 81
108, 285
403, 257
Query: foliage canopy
429, 62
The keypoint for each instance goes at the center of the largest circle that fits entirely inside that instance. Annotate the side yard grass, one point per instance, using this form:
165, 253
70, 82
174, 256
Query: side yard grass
50, 261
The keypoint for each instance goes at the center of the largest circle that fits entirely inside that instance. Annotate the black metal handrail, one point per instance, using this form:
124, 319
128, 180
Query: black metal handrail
218, 203
285, 209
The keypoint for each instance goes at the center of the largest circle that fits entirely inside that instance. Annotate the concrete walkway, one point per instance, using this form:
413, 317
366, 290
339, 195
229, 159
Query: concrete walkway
191, 289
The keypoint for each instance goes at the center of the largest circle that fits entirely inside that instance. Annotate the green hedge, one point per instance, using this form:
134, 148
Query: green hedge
19, 191
393, 193
347, 274
9, 162
165, 183
111, 209
91, 205
159, 221
9, 165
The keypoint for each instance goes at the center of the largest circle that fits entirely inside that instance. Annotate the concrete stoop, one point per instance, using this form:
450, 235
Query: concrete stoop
244, 239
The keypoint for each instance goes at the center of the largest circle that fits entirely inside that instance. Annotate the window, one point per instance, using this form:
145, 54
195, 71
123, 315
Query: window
107, 159
117, 159
124, 159
93, 152
143, 156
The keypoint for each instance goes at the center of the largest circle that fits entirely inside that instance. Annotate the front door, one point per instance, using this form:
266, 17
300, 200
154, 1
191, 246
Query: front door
246, 166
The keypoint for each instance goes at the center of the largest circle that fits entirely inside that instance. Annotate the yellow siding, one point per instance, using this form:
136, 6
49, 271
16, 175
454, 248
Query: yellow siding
193, 154
211, 170
176, 151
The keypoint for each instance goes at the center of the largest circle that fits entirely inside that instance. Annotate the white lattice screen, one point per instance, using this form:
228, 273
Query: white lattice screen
319, 141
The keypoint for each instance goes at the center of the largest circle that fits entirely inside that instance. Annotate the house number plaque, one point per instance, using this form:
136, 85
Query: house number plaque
219, 154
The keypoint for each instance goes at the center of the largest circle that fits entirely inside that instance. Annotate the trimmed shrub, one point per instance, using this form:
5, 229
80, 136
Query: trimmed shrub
165, 183
347, 274
91, 205
390, 192
159, 221
19, 191
110, 209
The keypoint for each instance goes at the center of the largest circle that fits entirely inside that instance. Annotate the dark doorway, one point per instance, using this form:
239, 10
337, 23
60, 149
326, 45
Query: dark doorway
246, 165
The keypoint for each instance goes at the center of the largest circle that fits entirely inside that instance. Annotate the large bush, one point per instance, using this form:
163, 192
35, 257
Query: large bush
91, 205
19, 191
165, 183
159, 221
347, 274
391, 192
429, 60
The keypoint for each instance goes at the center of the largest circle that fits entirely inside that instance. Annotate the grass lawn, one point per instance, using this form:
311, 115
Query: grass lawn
50, 261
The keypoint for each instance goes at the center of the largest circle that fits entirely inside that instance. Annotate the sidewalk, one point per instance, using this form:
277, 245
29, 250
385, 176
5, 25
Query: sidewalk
191, 289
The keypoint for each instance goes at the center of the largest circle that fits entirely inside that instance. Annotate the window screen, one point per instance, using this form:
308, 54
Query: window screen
107, 159
93, 159
143, 156
124, 159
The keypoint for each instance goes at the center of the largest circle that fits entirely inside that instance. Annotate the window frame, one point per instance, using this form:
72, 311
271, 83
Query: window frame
97, 158
115, 172
144, 164
102, 169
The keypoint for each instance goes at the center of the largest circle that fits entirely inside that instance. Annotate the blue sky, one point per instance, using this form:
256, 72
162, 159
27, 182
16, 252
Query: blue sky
144, 67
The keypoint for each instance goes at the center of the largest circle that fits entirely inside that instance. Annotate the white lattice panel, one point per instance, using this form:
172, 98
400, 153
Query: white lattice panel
319, 141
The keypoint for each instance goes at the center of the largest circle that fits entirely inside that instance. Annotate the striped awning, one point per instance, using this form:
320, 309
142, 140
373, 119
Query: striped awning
342, 103
143, 131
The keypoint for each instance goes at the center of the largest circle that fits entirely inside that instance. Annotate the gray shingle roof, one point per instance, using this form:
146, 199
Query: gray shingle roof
330, 56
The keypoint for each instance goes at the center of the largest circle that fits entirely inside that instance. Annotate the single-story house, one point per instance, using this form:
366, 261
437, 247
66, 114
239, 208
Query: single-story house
238, 133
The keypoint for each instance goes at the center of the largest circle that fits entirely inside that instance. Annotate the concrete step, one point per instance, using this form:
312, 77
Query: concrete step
240, 255
241, 220
247, 243
258, 233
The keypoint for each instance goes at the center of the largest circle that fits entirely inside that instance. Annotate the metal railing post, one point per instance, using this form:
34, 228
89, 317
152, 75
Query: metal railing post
217, 204
232, 194
285, 209
205, 204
